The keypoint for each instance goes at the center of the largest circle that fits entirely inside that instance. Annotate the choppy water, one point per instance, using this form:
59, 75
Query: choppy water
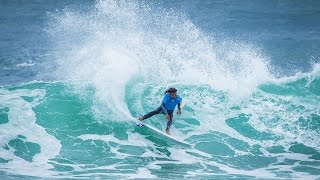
74, 73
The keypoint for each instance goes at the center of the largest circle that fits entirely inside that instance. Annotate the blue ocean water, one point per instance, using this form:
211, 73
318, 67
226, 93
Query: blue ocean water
73, 74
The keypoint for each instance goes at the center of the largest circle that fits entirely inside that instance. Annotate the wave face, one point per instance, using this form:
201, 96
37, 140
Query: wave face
113, 60
48, 130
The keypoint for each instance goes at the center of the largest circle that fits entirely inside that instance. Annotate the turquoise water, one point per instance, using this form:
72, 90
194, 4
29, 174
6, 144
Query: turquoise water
49, 130
66, 110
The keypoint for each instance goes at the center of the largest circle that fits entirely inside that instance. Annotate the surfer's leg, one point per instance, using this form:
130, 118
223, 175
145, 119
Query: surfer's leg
169, 123
150, 114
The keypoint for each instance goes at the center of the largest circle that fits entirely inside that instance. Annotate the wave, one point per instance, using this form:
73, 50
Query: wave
114, 60
267, 129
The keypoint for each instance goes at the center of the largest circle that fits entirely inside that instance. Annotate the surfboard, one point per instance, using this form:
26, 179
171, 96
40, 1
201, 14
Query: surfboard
162, 135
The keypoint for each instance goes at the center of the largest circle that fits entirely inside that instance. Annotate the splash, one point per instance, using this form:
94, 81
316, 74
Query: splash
130, 51
116, 41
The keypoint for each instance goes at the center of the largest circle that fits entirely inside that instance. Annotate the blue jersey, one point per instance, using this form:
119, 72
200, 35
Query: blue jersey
170, 103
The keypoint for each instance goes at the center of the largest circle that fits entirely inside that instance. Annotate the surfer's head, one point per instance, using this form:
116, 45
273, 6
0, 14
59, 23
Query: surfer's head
172, 91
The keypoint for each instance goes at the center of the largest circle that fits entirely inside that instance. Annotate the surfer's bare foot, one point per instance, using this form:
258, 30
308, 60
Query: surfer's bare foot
168, 132
140, 118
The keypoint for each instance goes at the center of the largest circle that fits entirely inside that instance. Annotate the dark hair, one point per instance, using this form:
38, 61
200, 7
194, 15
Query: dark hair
171, 90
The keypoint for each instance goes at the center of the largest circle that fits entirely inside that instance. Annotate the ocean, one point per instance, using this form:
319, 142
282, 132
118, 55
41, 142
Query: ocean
73, 74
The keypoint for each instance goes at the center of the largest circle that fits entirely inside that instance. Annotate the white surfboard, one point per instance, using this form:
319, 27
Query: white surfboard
162, 135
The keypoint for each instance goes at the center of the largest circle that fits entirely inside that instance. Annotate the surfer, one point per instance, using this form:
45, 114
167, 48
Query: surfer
169, 102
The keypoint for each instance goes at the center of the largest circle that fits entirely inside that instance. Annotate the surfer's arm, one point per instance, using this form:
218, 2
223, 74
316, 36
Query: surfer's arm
164, 100
164, 109
179, 106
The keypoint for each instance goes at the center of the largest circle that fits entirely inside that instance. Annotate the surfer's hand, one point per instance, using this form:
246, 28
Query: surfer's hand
168, 117
178, 112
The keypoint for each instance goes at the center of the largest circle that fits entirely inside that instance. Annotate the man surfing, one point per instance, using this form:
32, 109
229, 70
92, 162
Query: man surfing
169, 102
